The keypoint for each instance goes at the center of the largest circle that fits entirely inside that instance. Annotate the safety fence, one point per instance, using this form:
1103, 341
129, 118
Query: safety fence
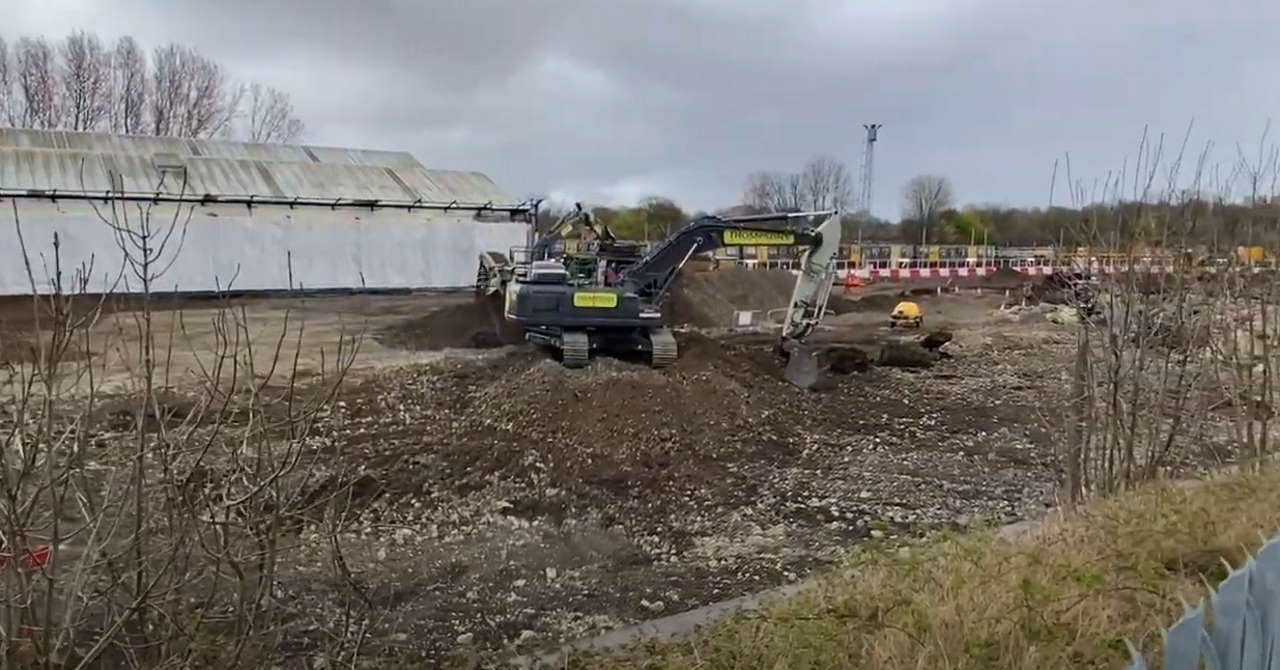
1236, 627
883, 270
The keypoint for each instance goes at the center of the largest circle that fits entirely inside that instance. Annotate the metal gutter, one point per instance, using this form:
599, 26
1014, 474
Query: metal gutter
251, 200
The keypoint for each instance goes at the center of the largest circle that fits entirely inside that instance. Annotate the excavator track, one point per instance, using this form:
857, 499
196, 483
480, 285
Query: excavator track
575, 348
664, 351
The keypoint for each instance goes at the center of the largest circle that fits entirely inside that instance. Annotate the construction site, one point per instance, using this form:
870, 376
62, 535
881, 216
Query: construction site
489, 481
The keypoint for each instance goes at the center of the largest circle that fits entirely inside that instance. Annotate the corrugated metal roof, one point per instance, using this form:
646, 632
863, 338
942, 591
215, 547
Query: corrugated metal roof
69, 161
146, 146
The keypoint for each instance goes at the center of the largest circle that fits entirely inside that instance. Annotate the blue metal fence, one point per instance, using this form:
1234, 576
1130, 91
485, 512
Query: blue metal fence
1237, 627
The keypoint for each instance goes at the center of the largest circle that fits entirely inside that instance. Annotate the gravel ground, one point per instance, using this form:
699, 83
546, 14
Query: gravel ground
516, 503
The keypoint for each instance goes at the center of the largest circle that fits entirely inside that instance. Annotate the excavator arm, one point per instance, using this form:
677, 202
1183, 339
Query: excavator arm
805, 367
652, 275
813, 287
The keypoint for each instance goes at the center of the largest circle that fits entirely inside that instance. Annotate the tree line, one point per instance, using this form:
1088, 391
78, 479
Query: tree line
81, 83
931, 215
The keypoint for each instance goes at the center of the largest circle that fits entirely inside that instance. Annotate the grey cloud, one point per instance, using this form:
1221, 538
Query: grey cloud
606, 99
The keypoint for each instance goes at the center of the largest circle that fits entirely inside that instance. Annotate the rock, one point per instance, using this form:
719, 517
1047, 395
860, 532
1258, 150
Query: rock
936, 340
466, 638
906, 355
845, 359
877, 534
1063, 315
552, 573
525, 636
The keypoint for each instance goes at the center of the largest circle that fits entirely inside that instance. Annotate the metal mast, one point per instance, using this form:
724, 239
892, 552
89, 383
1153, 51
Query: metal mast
868, 164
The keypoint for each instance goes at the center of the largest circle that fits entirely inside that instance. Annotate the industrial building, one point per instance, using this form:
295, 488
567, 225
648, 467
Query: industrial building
246, 217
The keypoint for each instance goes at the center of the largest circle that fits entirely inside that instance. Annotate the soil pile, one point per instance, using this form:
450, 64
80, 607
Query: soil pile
470, 325
709, 299
1006, 278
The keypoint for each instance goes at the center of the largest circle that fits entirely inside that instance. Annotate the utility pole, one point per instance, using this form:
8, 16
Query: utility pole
868, 164
868, 169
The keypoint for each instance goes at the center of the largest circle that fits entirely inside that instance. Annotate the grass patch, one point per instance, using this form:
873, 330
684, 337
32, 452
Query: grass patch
1066, 596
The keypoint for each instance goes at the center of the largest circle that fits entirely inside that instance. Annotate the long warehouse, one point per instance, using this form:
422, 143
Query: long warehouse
243, 216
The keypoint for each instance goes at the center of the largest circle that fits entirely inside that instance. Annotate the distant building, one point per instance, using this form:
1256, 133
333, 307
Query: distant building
250, 216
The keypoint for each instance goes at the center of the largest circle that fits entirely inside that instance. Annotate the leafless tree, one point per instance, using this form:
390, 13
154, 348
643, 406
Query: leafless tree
129, 87
86, 82
923, 200
37, 82
271, 116
773, 192
825, 184
190, 95
7, 106
822, 184
82, 85
169, 547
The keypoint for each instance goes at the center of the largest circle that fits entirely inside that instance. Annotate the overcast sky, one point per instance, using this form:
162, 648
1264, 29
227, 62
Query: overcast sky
613, 100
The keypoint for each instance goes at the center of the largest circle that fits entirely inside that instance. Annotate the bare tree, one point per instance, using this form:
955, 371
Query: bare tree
923, 200
190, 95
86, 82
82, 85
271, 116
129, 87
822, 184
7, 105
37, 82
774, 192
825, 184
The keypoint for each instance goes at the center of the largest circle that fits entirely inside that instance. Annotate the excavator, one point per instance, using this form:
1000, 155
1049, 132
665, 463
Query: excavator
618, 309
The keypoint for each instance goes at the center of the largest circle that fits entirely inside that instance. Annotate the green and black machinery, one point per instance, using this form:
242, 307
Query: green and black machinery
616, 307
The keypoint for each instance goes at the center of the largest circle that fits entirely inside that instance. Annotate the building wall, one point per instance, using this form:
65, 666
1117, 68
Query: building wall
242, 248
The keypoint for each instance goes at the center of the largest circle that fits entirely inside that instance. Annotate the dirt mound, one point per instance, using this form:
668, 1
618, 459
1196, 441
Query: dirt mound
469, 325
1009, 276
709, 299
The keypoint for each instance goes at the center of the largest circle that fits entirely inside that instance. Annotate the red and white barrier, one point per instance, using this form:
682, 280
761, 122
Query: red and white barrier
910, 273
959, 270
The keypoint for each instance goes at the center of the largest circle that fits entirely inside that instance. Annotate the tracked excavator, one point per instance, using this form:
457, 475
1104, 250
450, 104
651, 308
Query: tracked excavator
618, 308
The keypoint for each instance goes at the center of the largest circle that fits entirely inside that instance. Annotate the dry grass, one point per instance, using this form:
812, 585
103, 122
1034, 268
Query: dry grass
1065, 597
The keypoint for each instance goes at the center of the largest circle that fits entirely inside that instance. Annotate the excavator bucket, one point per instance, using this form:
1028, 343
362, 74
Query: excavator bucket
807, 369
